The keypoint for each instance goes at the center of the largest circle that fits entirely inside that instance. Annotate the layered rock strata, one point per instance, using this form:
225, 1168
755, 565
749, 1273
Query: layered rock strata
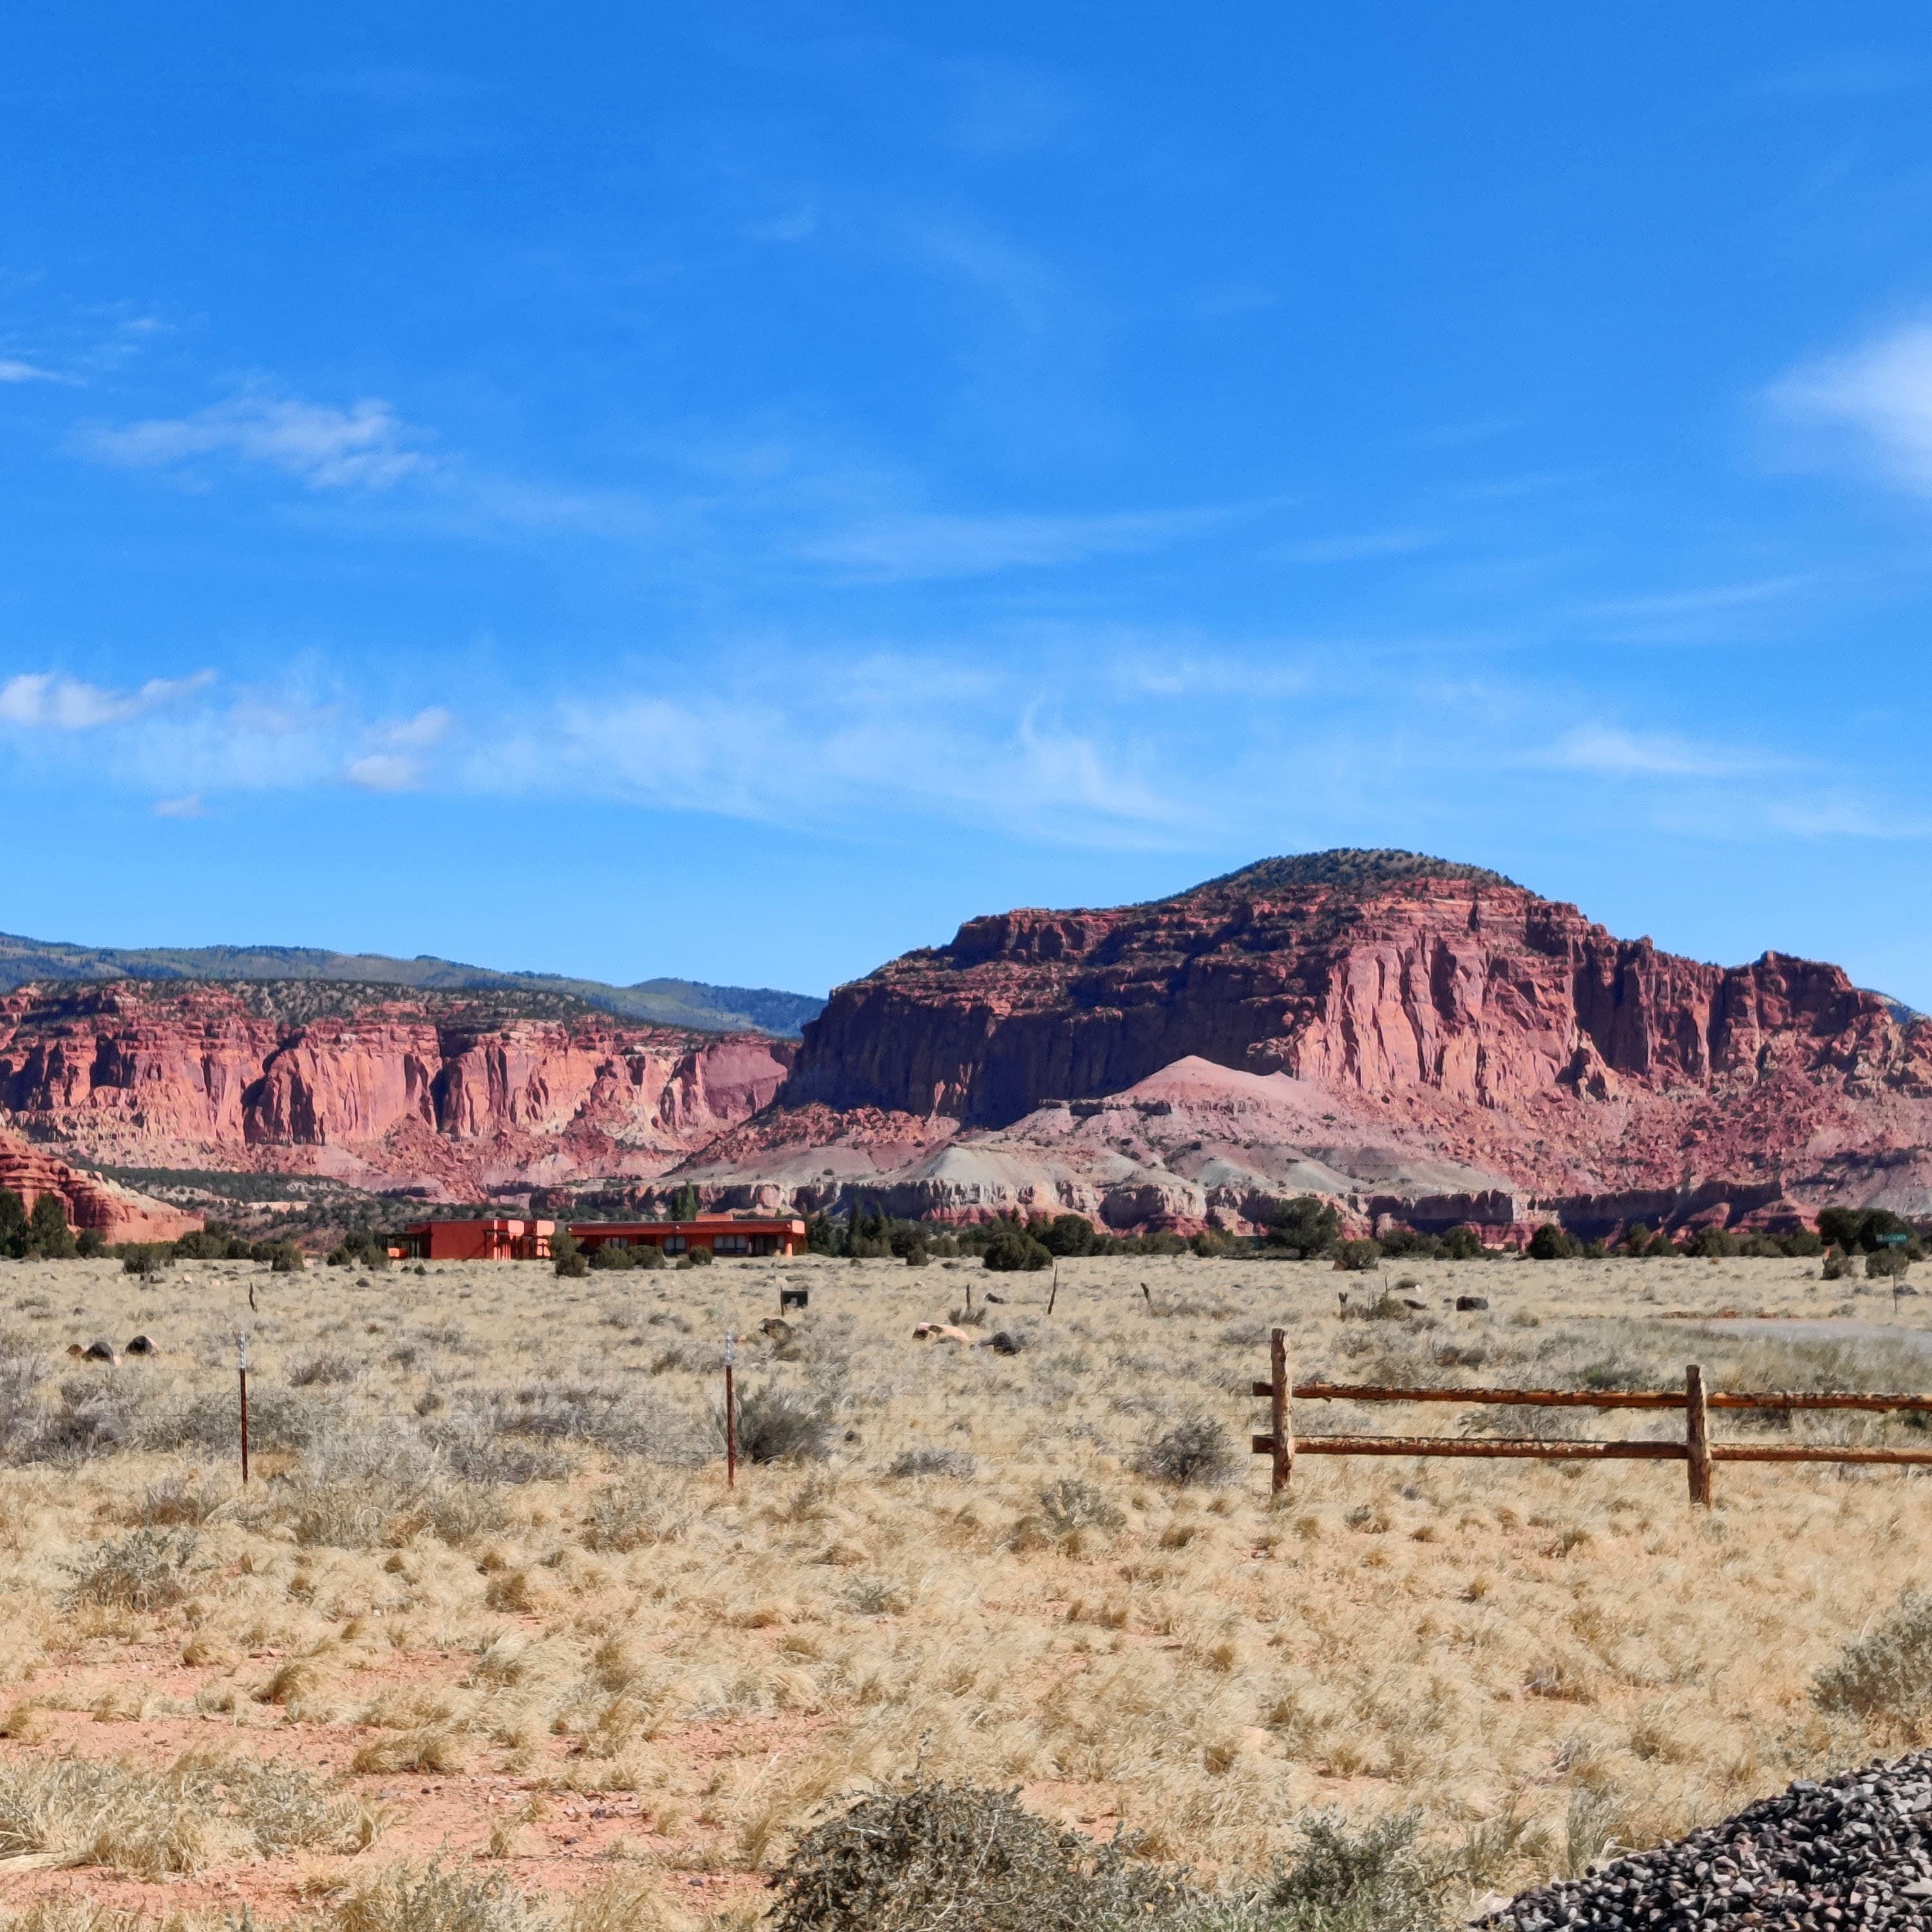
116, 1213
441, 1092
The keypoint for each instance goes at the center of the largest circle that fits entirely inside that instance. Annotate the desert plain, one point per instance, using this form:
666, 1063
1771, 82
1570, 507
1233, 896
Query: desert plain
487, 1603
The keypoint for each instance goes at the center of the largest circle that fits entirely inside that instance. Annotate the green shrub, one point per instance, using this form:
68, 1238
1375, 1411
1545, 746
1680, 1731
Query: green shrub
13, 1223
1013, 1251
48, 1235
1857, 1230
1887, 1264
648, 1255
1303, 1226
285, 1257
1067, 1234
572, 1266
1367, 1881
696, 1258
1803, 1241
1712, 1243
608, 1255
1358, 1257
1550, 1242
145, 1257
1837, 1265
1462, 1243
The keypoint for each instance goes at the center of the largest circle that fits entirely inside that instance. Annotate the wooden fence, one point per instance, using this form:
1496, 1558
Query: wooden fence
1696, 1451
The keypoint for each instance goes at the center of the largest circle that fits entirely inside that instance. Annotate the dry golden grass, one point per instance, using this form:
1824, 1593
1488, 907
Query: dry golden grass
489, 1582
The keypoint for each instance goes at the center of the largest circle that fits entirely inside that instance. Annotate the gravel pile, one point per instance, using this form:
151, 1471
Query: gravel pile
1855, 1852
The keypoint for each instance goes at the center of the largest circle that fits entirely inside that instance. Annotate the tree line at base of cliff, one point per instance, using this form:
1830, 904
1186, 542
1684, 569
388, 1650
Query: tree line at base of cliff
1307, 1228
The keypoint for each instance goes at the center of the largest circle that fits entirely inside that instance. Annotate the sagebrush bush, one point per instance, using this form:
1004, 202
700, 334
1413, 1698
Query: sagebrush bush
146, 1570
1368, 1881
1067, 1505
956, 1463
155, 1822
326, 1367
967, 1859
436, 1898
1885, 1676
776, 1425
1195, 1451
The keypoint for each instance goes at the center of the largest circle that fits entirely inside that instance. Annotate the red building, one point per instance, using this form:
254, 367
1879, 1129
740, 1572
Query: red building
722, 1233
475, 1241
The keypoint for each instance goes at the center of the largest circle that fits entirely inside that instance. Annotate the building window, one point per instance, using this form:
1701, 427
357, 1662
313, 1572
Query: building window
730, 1244
674, 1244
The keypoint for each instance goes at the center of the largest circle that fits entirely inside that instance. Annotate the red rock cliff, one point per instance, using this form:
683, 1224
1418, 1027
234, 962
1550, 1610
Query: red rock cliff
115, 1213
442, 1090
1524, 1037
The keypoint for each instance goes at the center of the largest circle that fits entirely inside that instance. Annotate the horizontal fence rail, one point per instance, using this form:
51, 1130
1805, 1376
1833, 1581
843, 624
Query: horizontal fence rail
1696, 1450
1597, 1398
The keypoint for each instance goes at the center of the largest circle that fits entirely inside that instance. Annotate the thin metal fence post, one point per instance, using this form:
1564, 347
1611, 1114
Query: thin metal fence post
730, 1414
241, 1369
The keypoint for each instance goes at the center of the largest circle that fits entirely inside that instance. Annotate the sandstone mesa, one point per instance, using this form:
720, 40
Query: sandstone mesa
1413, 1038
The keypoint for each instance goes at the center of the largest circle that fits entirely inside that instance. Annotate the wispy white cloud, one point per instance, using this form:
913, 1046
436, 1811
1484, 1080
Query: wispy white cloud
1363, 547
13, 370
189, 807
1002, 108
365, 446
1616, 753
1709, 597
384, 771
1843, 77
913, 545
429, 726
1880, 394
46, 701
797, 224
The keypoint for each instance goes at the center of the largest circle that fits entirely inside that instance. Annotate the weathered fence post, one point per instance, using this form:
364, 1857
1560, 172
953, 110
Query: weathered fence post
1278, 1445
1281, 1418
731, 1414
1696, 1436
241, 1368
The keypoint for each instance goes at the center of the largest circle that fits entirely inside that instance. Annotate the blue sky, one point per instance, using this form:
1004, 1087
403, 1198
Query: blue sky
731, 491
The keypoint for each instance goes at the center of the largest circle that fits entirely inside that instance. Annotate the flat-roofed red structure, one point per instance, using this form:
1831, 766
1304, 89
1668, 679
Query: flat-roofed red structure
500, 1240
722, 1233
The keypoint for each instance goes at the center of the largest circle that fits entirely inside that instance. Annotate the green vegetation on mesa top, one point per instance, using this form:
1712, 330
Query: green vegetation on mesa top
1346, 868
672, 1003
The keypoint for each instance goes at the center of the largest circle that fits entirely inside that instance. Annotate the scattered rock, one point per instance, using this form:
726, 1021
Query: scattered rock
99, 1351
1471, 1304
1000, 1298
1002, 1343
1855, 1850
775, 1330
143, 1345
